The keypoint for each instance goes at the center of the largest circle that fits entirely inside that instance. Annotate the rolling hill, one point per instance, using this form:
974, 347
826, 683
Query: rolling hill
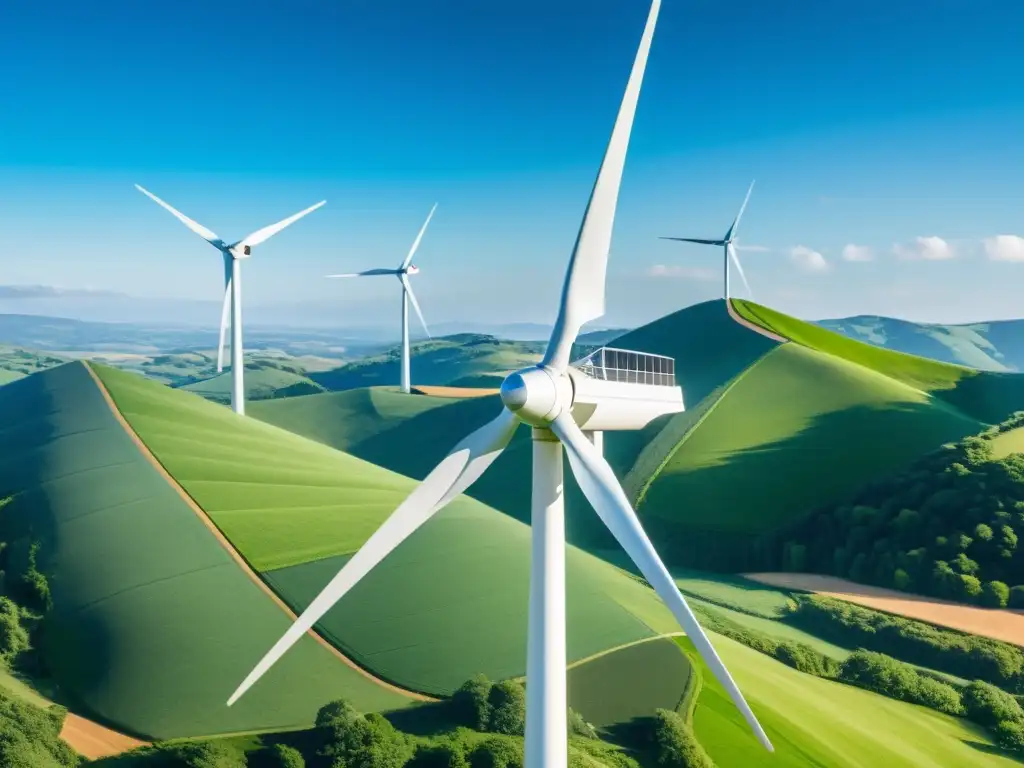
162, 518
989, 346
782, 416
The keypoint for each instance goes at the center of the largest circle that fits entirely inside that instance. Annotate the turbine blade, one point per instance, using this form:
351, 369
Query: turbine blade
260, 235
456, 472
739, 268
735, 225
416, 242
584, 286
224, 313
694, 240
415, 304
368, 272
602, 489
207, 235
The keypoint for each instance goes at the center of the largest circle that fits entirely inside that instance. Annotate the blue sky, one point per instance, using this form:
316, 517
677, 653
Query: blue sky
872, 123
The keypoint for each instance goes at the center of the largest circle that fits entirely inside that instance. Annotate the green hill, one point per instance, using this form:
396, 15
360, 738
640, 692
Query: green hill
448, 603
152, 619
261, 383
772, 430
989, 346
435, 361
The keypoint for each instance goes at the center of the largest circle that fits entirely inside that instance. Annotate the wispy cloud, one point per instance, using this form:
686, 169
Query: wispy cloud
752, 248
925, 248
808, 259
51, 292
1004, 247
682, 273
853, 252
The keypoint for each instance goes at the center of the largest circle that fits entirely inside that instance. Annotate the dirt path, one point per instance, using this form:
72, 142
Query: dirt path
454, 391
752, 326
93, 740
230, 549
1004, 625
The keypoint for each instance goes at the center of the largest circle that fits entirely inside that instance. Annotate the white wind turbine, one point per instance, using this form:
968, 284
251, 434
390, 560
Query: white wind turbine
232, 254
406, 268
544, 398
727, 244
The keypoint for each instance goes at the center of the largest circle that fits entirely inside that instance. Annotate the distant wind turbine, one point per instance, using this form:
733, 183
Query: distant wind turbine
405, 269
727, 244
232, 254
626, 395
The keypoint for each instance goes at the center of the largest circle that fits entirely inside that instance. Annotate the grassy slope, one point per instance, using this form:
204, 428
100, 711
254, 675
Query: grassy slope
449, 602
260, 384
437, 361
814, 722
145, 598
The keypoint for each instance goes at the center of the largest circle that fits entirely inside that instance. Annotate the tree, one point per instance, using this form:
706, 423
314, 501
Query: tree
446, 755
497, 752
858, 567
901, 580
13, 636
470, 703
578, 726
983, 533
339, 709
794, 557
508, 708
352, 740
963, 564
995, 594
1017, 596
1009, 735
675, 743
283, 756
207, 754
968, 588
987, 705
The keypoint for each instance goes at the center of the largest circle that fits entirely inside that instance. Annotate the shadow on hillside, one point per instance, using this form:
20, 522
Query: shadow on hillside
988, 396
710, 517
990, 749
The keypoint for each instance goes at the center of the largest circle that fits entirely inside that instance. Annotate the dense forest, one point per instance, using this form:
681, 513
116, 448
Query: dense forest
948, 526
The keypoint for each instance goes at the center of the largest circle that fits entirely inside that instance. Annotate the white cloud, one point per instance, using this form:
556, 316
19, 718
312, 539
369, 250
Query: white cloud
928, 248
1005, 247
808, 259
852, 252
684, 273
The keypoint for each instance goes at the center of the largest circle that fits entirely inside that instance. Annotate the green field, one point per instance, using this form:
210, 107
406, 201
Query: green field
260, 384
629, 683
145, 599
448, 603
814, 722
435, 361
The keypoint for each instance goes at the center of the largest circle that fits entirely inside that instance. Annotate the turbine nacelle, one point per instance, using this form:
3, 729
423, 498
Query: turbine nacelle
537, 395
239, 251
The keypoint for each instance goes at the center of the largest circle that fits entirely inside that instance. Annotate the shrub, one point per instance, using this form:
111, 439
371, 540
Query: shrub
987, 705
32, 588
470, 703
30, 736
995, 594
339, 709
1009, 735
283, 756
883, 674
13, 636
207, 754
806, 659
348, 738
675, 744
445, 755
508, 708
580, 727
497, 752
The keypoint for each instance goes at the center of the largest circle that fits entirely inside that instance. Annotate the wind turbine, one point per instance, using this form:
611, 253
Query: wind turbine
405, 269
544, 397
727, 244
232, 254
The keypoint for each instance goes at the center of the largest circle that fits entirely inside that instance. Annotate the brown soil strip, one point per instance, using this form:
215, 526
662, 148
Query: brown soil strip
752, 326
454, 391
93, 740
229, 548
1004, 625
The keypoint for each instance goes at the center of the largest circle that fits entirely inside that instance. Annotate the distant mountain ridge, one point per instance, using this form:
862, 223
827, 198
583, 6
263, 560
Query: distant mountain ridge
989, 346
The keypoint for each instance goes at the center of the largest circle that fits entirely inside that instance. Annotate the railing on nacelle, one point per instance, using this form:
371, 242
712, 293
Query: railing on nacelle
628, 367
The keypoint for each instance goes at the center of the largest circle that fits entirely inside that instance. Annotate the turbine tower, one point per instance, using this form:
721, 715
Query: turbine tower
616, 390
726, 242
232, 254
405, 269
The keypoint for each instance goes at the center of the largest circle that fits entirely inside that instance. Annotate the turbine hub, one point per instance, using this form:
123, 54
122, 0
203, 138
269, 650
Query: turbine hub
536, 395
413, 269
